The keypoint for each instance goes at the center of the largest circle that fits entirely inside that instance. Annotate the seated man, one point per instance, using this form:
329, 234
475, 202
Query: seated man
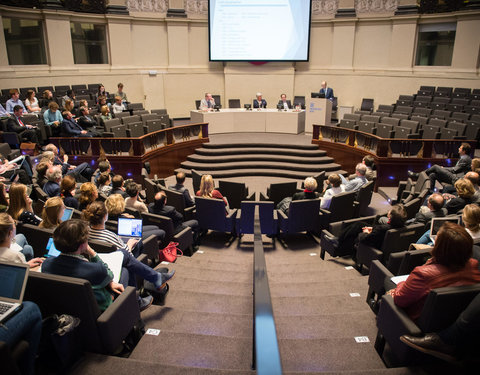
159, 207
117, 186
208, 102
85, 120
434, 208
83, 169
180, 177
54, 177
337, 188
14, 101
259, 102
286, 104
369, 162
69, 96
360, 179
16, 125
78, 259
41, 170
71, 129
449, 174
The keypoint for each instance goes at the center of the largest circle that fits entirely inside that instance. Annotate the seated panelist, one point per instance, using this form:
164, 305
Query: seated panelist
208, 102
259, 102
286, 104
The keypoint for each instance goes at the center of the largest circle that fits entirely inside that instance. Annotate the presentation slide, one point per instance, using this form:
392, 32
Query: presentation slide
259, 30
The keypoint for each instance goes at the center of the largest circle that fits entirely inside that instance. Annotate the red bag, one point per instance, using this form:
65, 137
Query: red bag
170, 253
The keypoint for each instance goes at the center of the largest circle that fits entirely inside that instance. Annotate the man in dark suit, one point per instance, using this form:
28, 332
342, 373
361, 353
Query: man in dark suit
327, 91
435, 204
259, 102
449, 174
286, 104
25, 131
82, 170
85, 120
180, 177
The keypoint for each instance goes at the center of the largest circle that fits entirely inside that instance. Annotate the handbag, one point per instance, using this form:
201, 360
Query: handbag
170, 253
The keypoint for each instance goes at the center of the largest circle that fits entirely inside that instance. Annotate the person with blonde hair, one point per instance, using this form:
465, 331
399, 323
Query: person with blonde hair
118, 106
207, 189
88, 195
310, 185
69, 106
465, 195
471, 220
20, 207
52, 213
105, 113
14, 247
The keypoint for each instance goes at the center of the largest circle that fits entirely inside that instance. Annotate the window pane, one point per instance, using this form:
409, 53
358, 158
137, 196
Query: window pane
435, 45
24, 39
89, 43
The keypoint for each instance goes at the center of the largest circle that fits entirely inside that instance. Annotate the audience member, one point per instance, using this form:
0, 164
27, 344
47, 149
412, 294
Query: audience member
434, 208
71, 128
207, 189
476, 165
360, 179
69, 106
117, 186
52, 213
67, 192
105, 113
86, 121
309, 192
69, 96
25, 131
335, 181
101, 93
121, 93
180, 178
41, 170
471, 220
133, 200
31, 102
53, 118
47, 98
104, 181
465, 195
88, 194
259, 102
54, 177
78, 259
82, 171
370, 174
103, 166
12, 171
20, 207
14, 101
451, 265
118, 106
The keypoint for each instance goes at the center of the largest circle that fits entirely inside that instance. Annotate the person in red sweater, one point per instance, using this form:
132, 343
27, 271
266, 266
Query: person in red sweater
207, 189
451, 264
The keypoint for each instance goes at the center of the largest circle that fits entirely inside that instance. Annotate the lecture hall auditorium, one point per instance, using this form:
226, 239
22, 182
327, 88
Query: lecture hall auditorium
263, 290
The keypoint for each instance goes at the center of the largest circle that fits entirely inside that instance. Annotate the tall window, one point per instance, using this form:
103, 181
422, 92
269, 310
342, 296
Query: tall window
89, 43
25, 43
435, 44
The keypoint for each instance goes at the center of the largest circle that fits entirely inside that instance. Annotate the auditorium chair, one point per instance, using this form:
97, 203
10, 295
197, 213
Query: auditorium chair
211, 214
459, 127
390, 121
235, 192
299, 100
303, 216
348, 124
385, 131
159, 111
441, 309
401, 132
135, 106
7, 152
119, 131
366, 126
184, 238
352, 116
110, 123
413, 205
136, 129
99, 332
367, 105
430, 132
139, 112
403, 109
472, 131
197, 104
385, 108
196, 180
277, 191
342, 207
401, 263
129, 119
245, 219
10, 357
176, 199
461, 116
120, 116
401, 116
153, 125
329, 238
425, 112
363, 199
395, 240
37, 237
151, 188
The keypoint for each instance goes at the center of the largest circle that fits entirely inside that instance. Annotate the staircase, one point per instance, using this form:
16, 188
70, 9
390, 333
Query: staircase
259, 159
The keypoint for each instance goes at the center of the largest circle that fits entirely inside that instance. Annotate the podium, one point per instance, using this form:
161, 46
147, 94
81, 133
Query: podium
318, 111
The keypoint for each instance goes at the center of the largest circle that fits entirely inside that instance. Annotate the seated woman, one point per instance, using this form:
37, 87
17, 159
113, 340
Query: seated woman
207, 189
115, 205
14, 248
471, 220
310, 185
88, 194
67, 191
31, 102
96, 214
133, 201
104, 183
69, 106
336, 182
451, 265
20, 207
465, 195
52, 213
105, 113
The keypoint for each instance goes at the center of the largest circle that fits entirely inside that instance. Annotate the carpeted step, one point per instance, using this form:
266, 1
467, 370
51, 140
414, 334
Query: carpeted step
263, 150
211, 272
260, 157
202, 323
271, 145
94, 364
186, 282
260, 172
349, 284
328, 355
208, 302
213, 263
311, 277
327, 304
219, 165
206, 351
345, 325
376, 371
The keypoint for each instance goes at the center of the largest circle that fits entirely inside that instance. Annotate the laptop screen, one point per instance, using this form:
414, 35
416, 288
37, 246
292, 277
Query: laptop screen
51, 249
67, 214
129, 227
439, 221
13, 278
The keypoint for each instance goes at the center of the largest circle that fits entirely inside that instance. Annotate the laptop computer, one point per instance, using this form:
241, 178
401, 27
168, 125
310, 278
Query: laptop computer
437, 223
67, 214
129, 228
13, 280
